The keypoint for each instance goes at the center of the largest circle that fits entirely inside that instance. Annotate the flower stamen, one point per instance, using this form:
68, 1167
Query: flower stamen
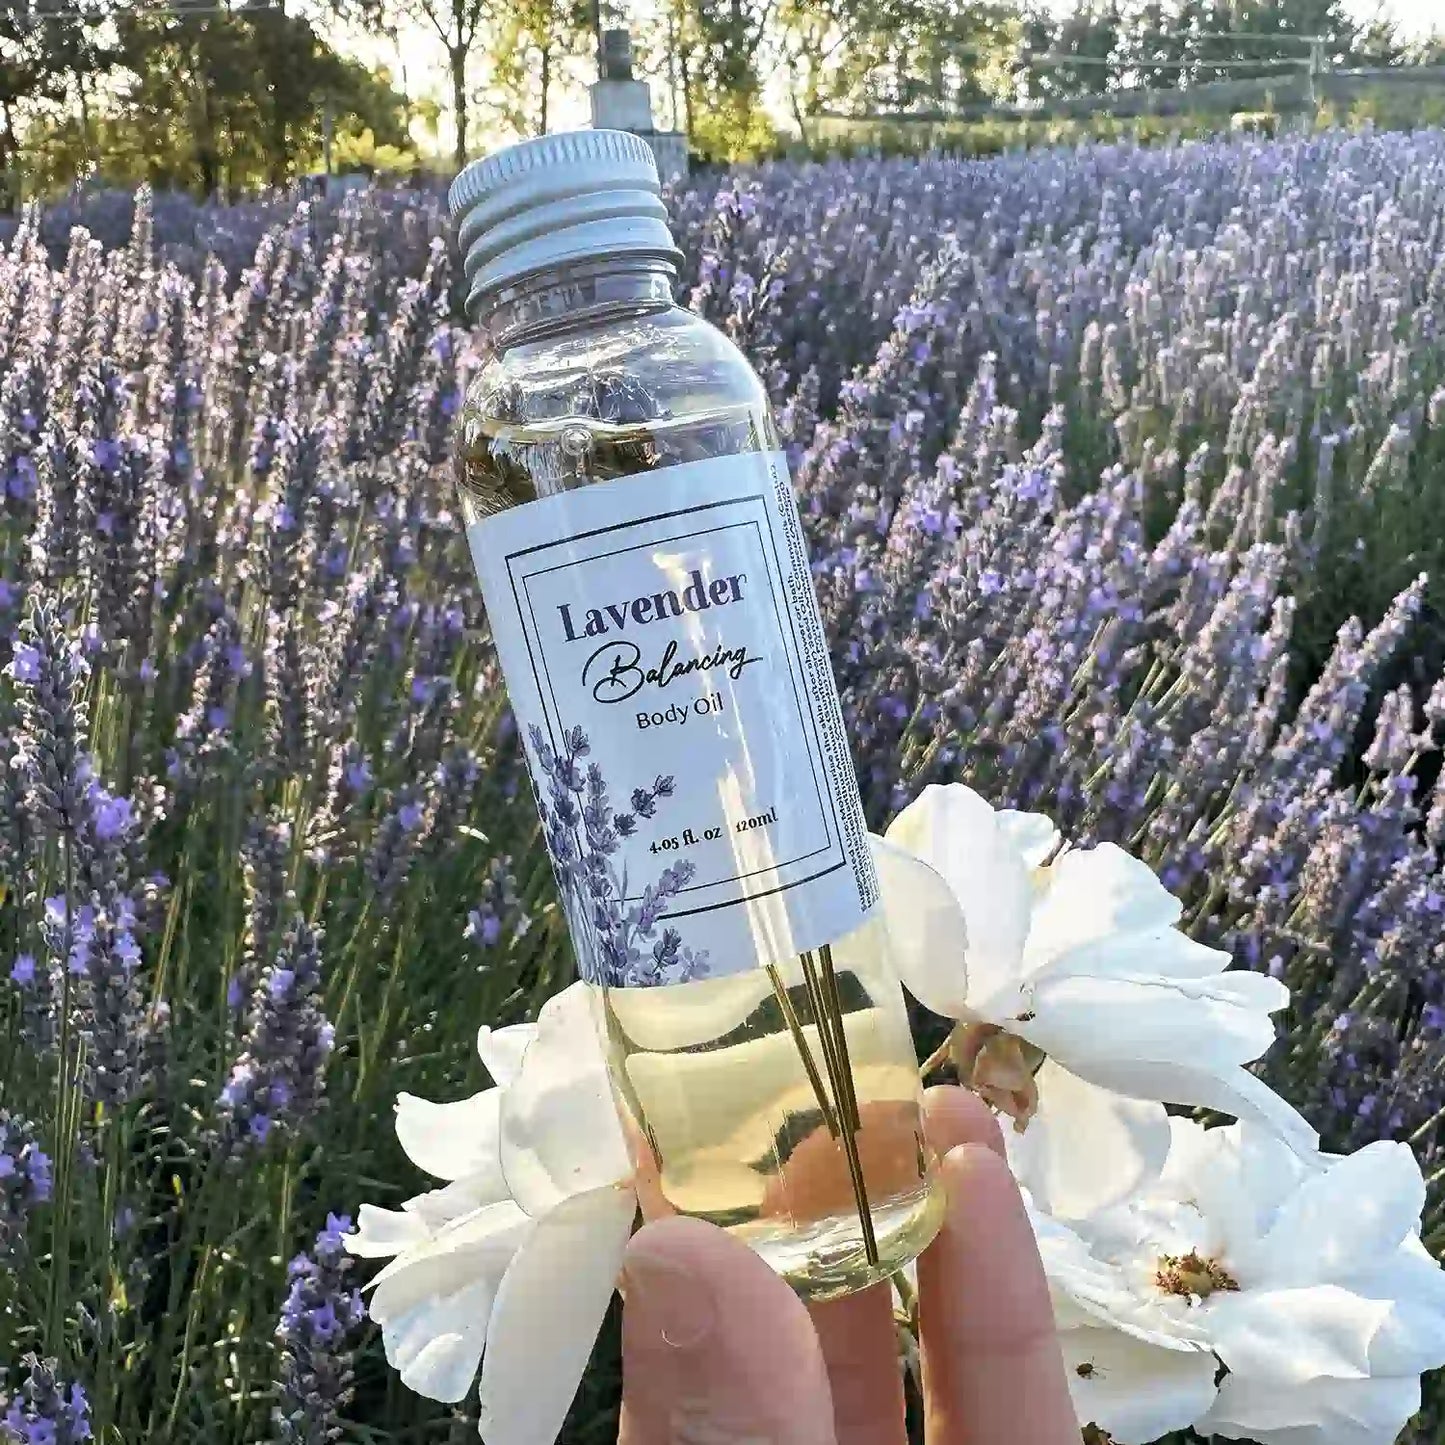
1192, 1275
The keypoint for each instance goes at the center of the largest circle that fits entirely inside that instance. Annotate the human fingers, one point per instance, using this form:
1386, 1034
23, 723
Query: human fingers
859, 1342
954, 1116
716, 1348
992, 1370
858, 1334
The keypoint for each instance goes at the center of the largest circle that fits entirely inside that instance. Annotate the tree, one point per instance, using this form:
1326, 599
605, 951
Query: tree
890, 53
719, 48
214, 101
534, 41
458, 24
47, 49
1094, 33
1177, 44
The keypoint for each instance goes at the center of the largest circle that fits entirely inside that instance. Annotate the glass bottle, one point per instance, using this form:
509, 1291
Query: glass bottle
640, 554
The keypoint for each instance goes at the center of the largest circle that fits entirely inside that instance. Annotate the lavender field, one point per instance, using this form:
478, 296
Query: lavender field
1125, 475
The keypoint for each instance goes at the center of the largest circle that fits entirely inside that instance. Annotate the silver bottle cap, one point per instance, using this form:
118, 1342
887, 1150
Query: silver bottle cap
555, 200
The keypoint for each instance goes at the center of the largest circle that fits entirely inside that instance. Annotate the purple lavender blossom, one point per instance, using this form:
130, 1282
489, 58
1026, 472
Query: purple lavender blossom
499, 910
25, 1179
49, 673
45, 1411
317, 1336
278, 1081
1070, 429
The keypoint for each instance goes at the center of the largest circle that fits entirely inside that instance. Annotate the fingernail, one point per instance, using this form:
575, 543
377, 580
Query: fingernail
666, 1301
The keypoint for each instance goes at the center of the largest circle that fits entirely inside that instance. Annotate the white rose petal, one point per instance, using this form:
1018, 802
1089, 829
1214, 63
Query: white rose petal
453, 1140
957, 834
1291, 1336
1324, 1412
516, 1279
548, 1310
927, 938
501, 1050
1031, 835
436, 1347
560, 1134
433, 1302
1094, 894
1080, 958
1359, 1208
1145, 1017
381, 1233
440, 1207
1135, 1391
1412, 1338
1086, 1148
1231, 1091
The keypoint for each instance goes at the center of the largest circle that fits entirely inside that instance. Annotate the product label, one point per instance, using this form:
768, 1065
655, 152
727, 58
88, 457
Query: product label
663, 653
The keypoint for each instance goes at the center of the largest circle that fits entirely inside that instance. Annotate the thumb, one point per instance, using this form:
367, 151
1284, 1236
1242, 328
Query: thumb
715, 1346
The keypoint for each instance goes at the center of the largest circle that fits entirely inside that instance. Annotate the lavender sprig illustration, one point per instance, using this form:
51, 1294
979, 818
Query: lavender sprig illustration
620, 944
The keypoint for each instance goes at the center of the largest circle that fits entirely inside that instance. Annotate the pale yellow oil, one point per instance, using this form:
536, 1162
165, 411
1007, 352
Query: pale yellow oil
725, 1122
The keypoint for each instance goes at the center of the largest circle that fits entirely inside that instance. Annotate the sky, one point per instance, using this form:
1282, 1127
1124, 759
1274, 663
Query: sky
1415, 15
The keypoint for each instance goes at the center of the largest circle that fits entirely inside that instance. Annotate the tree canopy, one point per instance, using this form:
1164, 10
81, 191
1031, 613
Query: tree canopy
181, 94
231, 94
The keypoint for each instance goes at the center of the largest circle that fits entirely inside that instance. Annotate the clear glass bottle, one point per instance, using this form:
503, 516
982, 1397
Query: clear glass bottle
637, 543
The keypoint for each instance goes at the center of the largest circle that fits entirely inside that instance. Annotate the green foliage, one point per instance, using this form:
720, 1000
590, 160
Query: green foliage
533, 41
993, 137
208, 102
1181, 44
361, 151
892, 54
735, 128
43, 59
459, 25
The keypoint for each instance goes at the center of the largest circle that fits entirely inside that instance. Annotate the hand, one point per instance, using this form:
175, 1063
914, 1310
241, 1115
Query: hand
718, 1350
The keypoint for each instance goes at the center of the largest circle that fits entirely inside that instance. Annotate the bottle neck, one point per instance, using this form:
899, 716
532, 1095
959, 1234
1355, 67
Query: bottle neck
577, 294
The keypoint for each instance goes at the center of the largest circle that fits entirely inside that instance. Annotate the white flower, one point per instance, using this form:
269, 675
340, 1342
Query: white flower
1134, 1370
1304, 1275
512, 1263
1339, 1308
1077, 959
1134, 1390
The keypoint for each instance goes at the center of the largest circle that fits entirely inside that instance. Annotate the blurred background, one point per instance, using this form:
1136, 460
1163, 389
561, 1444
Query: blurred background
222, 98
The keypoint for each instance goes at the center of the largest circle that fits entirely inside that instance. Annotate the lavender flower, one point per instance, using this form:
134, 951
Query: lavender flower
49, 672
319, 1322
110, 1004
1091, 445
396, 841
1390, 749
46, 1411
278, 1082
25, 1179
265, 855
499, 911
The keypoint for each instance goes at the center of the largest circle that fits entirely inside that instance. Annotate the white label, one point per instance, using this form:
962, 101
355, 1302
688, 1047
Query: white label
663, 652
